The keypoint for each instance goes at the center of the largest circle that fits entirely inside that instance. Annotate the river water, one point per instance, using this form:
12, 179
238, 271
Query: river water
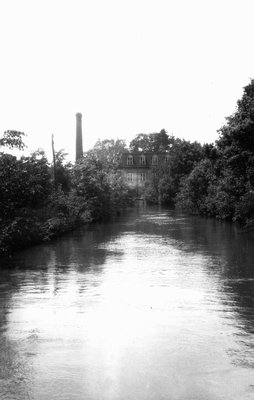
154, 305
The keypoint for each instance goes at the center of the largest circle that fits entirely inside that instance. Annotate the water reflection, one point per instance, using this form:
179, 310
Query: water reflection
154, 305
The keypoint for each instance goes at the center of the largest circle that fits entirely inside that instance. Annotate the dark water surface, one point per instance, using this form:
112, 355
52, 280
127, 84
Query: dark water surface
152, 306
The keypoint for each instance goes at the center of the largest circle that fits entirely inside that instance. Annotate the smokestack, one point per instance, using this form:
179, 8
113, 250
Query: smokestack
79, 143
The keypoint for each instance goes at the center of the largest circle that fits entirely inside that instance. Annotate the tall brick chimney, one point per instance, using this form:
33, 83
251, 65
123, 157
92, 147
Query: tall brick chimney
79, 143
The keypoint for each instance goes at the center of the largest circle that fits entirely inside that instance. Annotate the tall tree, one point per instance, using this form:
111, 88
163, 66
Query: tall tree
91, 185
108, 152
238, 133
62, 171
223, 185
151, 142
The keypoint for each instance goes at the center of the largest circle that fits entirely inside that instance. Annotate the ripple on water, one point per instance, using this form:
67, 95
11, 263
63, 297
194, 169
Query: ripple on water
156, 306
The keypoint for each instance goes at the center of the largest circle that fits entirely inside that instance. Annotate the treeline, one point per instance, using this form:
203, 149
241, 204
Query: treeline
39, 202
213, 179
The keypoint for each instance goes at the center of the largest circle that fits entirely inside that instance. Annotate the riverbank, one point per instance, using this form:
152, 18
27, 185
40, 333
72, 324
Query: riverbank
26, 231
41, 227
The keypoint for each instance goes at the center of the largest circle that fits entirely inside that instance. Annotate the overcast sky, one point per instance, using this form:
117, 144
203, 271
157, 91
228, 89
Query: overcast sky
129, 66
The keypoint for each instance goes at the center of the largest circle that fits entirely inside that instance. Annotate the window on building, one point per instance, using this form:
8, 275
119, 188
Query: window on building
155, 160
142, 176
129, 160
142, 160
130, 177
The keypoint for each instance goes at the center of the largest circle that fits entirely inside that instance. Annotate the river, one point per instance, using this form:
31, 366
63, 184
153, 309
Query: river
153, 305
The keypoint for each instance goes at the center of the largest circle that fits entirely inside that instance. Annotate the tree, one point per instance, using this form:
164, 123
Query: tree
62, 171
23, 183
236, 145
151, 142
194, 188
183, 157
238, 133
13, 139
227, 191
108, 152
91, 185
166, 177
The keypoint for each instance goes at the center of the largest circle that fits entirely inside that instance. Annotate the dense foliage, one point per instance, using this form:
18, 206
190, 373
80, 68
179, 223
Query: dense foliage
39, 201
212, 179
182, 156
222, 184
108, 152
152, 142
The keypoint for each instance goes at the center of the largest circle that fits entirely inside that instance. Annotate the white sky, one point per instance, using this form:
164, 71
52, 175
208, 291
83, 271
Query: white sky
129, 66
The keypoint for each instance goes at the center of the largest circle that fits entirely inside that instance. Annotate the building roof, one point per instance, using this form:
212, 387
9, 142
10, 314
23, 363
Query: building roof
142, 159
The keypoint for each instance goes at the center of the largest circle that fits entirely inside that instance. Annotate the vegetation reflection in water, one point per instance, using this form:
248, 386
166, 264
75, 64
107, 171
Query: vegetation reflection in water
152, 306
